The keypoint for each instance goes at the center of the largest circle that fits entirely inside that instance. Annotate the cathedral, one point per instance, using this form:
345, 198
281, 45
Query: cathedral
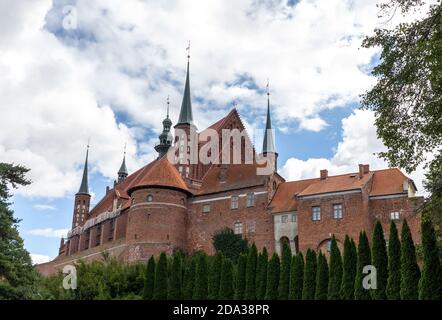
179, 205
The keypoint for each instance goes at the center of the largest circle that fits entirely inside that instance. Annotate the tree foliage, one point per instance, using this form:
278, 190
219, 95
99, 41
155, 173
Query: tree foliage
228, 243
284, 278
149, 279
410, 272
309, 278
201, 278
379, 260
394, 264
252, 259
296, 277
364, 259
160, 287
335, 278
240, 277
226, 282
215, 275
321, 278
272, 278
261, 282
349, 269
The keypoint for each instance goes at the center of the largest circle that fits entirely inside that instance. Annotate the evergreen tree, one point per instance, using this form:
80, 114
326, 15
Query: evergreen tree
349, 269
335, 276
252, 257
296, 276
175, 290
379, 260
272, 278
201, 281
284, 277
228, 243
160, 286
17, 275
226, 282
309, 279
149, 279
189, 278
241, 277
394, 264
430, 285
321, 278
215, 275
262, 275
410, 273
364, 259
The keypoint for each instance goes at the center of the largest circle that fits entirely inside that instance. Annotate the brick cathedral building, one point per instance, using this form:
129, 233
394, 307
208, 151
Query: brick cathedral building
164, 206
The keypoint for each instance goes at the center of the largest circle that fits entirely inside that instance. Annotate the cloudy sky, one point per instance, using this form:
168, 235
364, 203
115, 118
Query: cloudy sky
102, 70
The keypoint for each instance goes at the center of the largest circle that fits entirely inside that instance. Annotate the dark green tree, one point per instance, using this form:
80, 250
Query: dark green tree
17, 275
226, 282
262, 275
321, 278
284, 277
215, 275
430, 285
410, 272
296, 276
349, 269
240, 277
272, 278
394, 264
309, 279
189, 278
231, 245
335, 273
160, 286
149, 279
252, 257
364, 259
201, 278
379, 260
175, 282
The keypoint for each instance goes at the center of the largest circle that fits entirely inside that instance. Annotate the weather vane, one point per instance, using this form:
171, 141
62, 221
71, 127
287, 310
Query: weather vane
268, 87
168, 103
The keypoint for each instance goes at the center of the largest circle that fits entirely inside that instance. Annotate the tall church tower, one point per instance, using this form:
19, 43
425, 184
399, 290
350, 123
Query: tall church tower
188, 130
82, 198
268, 145
165, 137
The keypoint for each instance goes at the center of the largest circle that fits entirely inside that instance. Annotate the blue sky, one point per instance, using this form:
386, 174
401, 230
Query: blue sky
102, 70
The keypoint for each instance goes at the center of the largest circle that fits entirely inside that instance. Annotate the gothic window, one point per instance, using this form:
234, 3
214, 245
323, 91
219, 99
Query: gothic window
234, 202
316, 213
250, 199
238, 228
149, 198
337, 211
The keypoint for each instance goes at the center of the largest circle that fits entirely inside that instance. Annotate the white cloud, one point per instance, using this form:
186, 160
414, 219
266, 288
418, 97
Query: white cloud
48, 232
39, 258
359, 145
60, 87
44, 207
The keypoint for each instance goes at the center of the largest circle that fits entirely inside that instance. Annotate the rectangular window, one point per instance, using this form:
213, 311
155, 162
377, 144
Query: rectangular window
337, 211
284, 219
394, 215
316, 213
206, 208
250, 199
251, 227
238, 228
234, 203
293, 217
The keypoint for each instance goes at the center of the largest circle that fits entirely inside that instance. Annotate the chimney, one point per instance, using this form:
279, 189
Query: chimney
366, 168
324, 174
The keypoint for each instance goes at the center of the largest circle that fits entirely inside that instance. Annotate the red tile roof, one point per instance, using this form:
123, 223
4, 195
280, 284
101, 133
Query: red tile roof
384, 182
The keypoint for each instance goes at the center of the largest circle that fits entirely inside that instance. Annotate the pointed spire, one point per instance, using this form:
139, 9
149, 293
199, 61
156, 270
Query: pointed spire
268, 145
123, 173
84, 187
186, 116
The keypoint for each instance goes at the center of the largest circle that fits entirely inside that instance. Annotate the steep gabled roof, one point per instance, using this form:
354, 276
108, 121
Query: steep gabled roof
284, 198
388, 181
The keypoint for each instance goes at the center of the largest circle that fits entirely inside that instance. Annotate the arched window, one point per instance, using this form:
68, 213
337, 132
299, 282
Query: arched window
149, 198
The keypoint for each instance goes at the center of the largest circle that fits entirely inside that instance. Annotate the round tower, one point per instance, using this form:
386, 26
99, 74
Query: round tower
157, 217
